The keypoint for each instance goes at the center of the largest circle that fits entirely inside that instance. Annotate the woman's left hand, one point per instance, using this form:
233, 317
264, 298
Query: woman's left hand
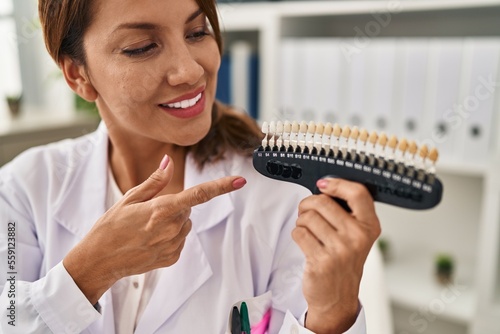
336, 244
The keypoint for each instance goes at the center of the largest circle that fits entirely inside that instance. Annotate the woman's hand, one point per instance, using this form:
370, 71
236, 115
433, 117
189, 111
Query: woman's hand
139, 233
336, 244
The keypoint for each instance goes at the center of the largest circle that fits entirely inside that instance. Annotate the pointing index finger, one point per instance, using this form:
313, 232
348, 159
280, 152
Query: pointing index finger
206, 191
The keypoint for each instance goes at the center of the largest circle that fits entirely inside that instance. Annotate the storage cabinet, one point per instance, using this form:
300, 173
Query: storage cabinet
467, 222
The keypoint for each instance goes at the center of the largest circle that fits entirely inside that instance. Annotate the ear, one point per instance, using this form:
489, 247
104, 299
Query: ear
77, 78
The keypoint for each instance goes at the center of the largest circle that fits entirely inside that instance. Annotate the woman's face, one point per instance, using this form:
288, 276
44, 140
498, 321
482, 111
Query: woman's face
154, 66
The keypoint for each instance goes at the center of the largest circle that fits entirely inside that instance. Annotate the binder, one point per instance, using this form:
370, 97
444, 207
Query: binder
287, 87
223, 92
241, 53
253, 107
356, 88
481, 74
381, 63
328, 78
305, 82
445, 79
412, 83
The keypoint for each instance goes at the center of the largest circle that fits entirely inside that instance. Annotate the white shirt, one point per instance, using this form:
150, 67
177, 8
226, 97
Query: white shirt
130, 294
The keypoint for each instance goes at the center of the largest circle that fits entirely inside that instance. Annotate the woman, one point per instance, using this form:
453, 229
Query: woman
186, 241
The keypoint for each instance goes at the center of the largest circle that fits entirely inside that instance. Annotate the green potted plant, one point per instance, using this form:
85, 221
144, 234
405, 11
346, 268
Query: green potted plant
14, 103
384, 246
85, 106
444, 268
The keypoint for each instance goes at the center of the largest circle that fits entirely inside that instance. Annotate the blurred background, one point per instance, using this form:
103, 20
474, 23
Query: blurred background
36, 105
420, 69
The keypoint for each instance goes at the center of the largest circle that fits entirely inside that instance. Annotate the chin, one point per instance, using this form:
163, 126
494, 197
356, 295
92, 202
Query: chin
193, 137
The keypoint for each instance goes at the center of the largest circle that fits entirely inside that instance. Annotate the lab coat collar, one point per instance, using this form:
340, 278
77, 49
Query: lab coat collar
83, 189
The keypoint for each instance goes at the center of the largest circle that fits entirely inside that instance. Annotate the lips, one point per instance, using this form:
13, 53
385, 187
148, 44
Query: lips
186, 106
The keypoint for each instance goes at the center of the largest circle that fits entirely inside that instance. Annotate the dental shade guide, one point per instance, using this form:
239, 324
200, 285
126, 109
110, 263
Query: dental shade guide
395, 172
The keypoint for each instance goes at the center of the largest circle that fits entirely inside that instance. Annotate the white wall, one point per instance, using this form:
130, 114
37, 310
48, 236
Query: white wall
27, 61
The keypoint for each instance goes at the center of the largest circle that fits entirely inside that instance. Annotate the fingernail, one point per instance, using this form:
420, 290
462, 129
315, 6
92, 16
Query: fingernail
322, 183
239, 183
164, 162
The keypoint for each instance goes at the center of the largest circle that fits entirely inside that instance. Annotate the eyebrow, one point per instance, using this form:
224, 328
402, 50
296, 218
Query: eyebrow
194, 15
151, 26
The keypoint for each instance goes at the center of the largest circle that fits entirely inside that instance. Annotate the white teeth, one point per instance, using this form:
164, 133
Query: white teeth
184, 104
361, 145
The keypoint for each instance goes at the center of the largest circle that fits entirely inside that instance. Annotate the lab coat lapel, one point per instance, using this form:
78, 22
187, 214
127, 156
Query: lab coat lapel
83, 175
175, 285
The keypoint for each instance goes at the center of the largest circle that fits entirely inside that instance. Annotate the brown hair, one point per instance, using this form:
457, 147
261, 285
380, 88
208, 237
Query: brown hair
64, 23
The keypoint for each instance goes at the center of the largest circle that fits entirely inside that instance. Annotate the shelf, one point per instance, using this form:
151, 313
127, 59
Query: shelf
412, 284
247, 16
37, 120
392, 19
236, 15
303, 8
34, 129
463, 168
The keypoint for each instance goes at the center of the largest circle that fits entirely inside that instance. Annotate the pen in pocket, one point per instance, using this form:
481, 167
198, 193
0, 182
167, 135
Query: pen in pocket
235, 321
263, 325
245, 321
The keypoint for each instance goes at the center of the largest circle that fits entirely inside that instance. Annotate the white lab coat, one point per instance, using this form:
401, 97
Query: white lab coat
240, 247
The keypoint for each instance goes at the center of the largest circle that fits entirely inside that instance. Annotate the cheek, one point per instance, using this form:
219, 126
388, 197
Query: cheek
216, 65
120, 87
210, 60
135, 86
125, 89
215, 62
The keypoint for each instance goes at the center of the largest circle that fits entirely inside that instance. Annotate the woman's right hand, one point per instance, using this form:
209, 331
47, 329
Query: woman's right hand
140, 233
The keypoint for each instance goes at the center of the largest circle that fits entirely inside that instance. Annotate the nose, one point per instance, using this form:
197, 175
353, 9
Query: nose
183, 67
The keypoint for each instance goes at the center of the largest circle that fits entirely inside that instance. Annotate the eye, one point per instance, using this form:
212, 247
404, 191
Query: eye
198, 35
140, 51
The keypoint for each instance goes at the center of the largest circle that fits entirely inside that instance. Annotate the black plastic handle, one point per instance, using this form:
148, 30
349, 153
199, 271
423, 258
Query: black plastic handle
418, 191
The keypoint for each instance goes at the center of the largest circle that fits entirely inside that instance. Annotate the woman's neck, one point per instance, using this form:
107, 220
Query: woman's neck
134, 160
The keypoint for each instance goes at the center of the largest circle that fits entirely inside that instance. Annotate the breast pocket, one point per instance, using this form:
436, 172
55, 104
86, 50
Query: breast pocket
259, 314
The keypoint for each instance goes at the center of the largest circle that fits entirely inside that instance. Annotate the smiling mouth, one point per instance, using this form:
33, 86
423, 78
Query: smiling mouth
183, 104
